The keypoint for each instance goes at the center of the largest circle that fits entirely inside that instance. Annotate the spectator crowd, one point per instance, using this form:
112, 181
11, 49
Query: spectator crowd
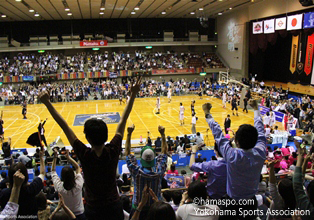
48, 63
229, 186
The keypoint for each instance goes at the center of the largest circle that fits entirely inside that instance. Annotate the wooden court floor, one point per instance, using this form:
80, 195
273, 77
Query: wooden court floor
143, 116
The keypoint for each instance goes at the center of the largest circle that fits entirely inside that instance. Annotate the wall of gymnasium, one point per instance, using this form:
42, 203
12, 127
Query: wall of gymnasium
233, 27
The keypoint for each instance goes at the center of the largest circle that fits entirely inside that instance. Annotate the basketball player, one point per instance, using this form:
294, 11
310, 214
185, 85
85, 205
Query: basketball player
127, 99
181, 114
41, 131
1, 127
201, 94
120, 99
24, 109
169, 95
224, 99
192, 108
158, 105
234, 102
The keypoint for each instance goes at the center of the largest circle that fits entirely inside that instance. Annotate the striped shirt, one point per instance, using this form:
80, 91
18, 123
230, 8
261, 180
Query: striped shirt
142, 176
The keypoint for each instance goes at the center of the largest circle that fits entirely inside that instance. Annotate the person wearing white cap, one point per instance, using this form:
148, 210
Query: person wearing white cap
149, 173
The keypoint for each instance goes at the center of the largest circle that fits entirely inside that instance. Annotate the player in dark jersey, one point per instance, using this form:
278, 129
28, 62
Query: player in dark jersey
200, 94
120, 99
1, 127
192, 107
234, 103
24, 110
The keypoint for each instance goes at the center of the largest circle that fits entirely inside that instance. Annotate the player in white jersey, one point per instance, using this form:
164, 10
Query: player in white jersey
224, 99
169, 95
181, 114
127, 99
158, 105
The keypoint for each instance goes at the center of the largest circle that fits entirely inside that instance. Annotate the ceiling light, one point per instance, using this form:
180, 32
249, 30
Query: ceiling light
102, 9
101, 13
136, 8
192, 13
31, 10
3, 16
201, 9
133, 12
67, 9
252, 0
163, 13
219, 13
69, 14
230, 8
220, 0
36, 14
18, 0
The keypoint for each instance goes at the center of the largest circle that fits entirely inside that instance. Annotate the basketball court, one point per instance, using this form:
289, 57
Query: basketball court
143, 116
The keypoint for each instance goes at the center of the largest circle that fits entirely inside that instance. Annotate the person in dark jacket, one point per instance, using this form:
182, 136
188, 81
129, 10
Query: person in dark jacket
227, 124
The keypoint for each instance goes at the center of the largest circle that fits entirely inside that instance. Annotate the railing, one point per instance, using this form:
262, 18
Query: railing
60, 42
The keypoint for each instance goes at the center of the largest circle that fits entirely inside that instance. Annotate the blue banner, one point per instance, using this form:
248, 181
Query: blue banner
113, 75
279, 115
108, 118
179, 180
28, 78
309, 20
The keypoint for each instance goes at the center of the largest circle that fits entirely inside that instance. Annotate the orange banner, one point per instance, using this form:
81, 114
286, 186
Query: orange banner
294, 53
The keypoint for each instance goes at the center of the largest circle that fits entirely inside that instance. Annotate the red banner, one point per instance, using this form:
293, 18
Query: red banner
93, 43
309, 54
177, 71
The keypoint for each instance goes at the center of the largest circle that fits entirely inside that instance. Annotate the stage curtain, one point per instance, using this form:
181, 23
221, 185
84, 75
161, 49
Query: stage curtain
272, 38
262, 42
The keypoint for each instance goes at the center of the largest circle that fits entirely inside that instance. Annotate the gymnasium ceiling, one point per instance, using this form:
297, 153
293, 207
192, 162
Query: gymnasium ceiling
25, 10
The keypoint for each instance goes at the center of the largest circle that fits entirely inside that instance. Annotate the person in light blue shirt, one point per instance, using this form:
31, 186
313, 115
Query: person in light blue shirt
244, 163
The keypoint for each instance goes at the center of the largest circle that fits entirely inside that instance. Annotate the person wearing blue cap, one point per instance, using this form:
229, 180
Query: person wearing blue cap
149, 173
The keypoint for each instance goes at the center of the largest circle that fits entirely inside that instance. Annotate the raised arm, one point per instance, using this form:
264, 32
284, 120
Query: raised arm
44, 98
301, 198
164, 145
11, 208
192, 158
259, 125
128, 140
44, 122
54, 162
222, 142
272, 177
73, 162
42, 165
18, 179
134, 90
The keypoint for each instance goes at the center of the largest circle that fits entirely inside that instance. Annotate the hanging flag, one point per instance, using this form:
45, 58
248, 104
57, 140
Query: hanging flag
294, 53
301, 57
269, 26
281, 23
309, 54
294, 22
308, 20
258, 27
